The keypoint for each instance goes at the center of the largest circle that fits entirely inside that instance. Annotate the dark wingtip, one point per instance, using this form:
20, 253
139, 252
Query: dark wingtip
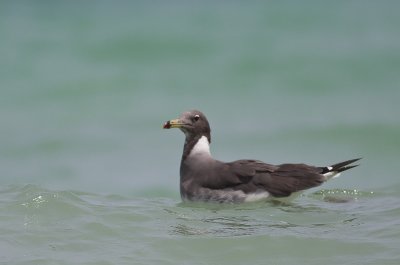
346, 168
345, 165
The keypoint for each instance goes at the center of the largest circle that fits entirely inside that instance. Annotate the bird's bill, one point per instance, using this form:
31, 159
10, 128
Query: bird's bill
177, 123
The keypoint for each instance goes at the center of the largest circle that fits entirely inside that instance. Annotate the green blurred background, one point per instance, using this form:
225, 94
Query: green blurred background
86, 85
88, 176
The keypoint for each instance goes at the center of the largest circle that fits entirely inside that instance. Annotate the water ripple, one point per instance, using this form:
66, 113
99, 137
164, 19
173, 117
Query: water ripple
68, 222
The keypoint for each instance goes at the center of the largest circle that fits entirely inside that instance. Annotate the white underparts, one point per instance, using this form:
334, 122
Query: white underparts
256, 196
265, 196
332, 174
202, 147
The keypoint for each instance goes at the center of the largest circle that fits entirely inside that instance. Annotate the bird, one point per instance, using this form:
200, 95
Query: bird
205, 179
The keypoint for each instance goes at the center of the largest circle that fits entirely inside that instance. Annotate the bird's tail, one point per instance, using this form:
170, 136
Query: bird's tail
335, 169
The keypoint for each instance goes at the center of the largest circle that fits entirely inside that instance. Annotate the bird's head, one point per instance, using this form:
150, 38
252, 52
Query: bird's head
192, 123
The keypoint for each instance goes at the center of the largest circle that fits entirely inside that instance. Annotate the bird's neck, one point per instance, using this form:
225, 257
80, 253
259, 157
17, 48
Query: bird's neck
196, 157
196, 147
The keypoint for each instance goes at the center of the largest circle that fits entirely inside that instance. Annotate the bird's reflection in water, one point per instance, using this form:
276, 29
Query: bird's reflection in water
268, 218
218, 226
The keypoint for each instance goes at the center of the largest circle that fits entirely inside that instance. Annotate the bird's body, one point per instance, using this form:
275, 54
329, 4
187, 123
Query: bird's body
202, 178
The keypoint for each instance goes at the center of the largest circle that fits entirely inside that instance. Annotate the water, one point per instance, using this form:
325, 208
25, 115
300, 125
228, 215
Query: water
89, 177
62, 227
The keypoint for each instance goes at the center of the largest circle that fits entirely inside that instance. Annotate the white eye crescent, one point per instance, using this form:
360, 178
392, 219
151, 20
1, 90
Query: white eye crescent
196, 117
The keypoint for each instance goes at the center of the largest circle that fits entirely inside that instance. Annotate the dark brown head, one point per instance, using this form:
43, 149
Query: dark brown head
193, 124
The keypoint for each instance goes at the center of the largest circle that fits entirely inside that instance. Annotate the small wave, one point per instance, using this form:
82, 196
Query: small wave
40, 206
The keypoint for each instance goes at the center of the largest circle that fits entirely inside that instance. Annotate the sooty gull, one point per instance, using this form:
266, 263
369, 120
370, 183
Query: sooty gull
202, 178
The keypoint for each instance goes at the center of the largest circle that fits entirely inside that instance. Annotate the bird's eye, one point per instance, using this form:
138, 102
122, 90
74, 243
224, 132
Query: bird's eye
196, 117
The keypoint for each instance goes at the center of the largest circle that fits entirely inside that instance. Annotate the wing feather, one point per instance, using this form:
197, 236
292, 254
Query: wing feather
278, 180
254, 176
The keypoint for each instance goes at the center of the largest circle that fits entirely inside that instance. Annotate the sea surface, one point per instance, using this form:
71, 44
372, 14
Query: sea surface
88, 176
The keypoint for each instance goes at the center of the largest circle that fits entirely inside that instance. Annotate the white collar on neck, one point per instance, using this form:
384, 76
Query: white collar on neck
202, 147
